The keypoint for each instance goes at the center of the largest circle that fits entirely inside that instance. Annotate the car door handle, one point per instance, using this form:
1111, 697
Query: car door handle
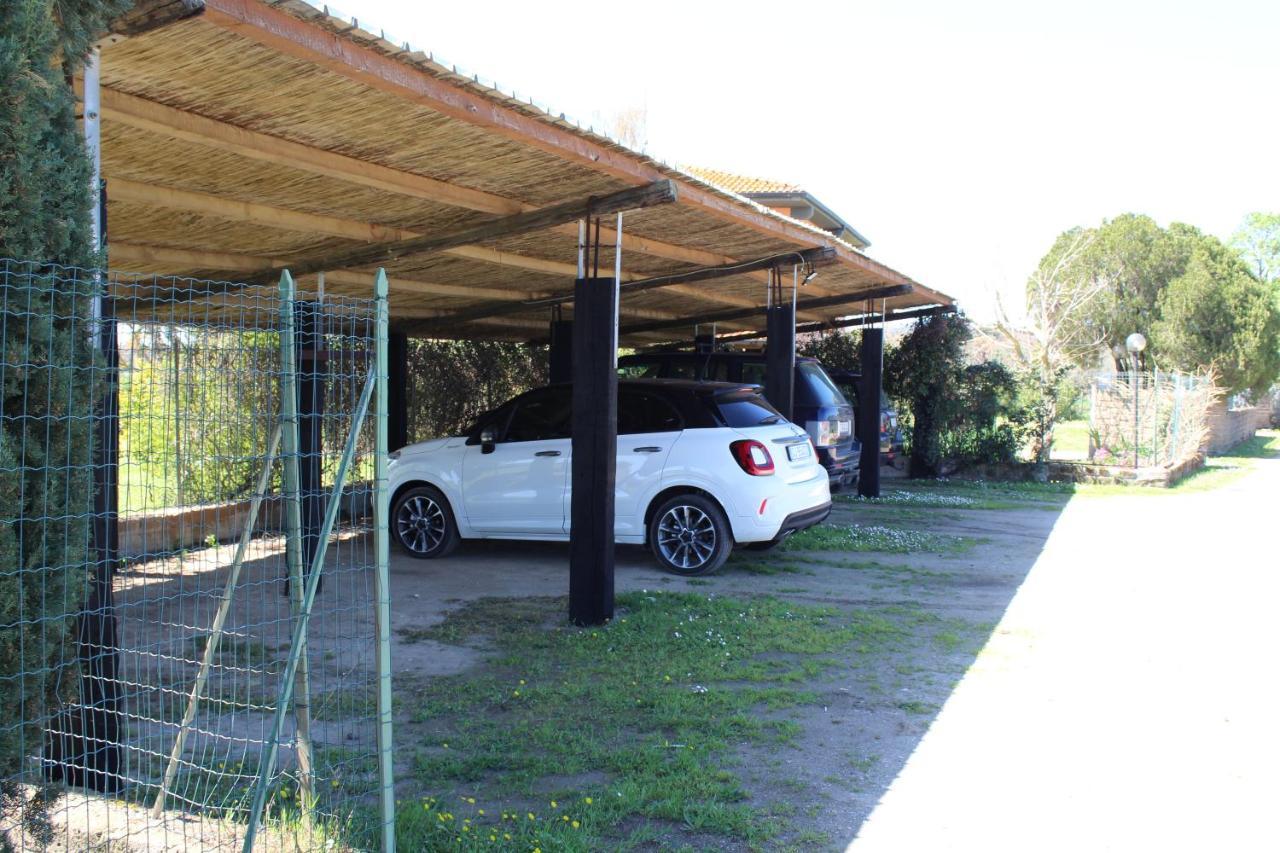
547, 453
647, 450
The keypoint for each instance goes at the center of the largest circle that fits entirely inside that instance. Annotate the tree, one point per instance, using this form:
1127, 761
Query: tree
1258, 242
1120, 267
1061, 291
837, 350
45, 204
1216, 314
926, 369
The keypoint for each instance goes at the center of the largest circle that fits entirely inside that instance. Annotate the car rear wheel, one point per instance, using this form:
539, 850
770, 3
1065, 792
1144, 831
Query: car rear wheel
689, 535
422, 523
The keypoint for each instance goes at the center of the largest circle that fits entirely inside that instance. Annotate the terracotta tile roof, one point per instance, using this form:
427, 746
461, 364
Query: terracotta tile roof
741, 184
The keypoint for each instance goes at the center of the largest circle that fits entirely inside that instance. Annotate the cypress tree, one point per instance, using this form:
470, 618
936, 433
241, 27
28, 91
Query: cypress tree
46, 356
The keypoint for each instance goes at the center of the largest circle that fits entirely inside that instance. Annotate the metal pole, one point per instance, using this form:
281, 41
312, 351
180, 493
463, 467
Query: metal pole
382, 588
1135, 411
268, 761
294, 554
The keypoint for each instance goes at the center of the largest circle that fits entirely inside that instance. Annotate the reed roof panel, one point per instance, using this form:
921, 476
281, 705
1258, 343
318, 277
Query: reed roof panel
433, 150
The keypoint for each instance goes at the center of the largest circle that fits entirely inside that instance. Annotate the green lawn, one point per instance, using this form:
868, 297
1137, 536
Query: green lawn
1217, 472
1071, 439
621, 736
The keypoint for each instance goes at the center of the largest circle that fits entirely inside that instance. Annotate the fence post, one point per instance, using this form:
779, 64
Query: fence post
382, 557
294, 551
266, 765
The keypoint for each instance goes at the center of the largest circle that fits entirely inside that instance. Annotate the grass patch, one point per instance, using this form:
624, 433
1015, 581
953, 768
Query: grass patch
587, 739
875, 538
1071, 439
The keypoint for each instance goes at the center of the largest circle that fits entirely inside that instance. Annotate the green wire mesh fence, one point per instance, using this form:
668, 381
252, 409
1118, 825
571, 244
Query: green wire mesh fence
151, 612
1155, 418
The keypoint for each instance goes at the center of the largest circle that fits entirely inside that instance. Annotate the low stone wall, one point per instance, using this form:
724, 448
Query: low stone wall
168, 530
1161, 478
1229, 427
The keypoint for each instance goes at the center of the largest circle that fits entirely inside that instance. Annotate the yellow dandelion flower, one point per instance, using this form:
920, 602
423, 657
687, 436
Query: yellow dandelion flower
588, 800
507, 836
531, 816
553, 805
478, 811
575, 824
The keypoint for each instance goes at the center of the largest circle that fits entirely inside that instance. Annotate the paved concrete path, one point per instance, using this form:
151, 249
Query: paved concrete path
1128, 699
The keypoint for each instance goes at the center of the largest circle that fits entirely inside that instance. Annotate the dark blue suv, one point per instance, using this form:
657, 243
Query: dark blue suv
819, 406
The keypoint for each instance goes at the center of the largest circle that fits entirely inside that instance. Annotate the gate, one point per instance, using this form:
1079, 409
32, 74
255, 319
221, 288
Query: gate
194, 631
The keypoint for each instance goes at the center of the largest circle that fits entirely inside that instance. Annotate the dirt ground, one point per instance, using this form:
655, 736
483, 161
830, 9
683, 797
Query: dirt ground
1083, 674
1100, 688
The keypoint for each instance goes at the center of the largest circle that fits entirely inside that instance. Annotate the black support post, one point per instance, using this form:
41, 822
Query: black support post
560, 352
309, 325
594, 449
397, 390
869, 390
87, 751
780, 356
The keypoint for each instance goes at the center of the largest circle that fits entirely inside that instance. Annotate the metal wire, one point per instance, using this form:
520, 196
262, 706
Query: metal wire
1159, 418
198, 385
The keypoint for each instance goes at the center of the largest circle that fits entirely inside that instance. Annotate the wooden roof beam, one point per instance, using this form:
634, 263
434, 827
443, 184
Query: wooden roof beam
182, 259
123, 189
741, 314
153, 117
683, 277
657, 193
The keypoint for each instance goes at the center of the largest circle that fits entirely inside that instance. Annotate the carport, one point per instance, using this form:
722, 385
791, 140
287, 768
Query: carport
239, 138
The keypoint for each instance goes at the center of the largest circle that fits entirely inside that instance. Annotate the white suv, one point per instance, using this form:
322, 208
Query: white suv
700, 466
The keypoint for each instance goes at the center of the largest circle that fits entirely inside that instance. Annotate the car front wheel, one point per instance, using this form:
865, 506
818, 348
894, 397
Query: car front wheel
422, 523
689, 535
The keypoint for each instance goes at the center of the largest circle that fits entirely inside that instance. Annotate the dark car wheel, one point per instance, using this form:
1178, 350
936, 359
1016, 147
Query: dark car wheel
422, 523
689, 535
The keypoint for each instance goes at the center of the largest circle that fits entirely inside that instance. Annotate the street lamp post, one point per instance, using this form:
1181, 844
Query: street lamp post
1135, 344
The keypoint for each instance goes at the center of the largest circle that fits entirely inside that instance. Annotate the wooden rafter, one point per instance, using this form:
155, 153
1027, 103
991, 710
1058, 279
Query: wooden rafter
682, 278
132, 111
657, 193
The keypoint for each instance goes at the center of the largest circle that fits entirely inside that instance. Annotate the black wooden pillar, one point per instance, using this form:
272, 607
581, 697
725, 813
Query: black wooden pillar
87, 751
594, 448
309, 326
560, 352
397, 390
780, 356
869, 392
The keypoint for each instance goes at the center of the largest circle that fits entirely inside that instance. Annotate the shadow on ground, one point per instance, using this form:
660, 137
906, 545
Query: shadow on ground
928, 604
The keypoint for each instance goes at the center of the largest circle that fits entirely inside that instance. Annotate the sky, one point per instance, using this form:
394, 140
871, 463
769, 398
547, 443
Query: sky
960, 138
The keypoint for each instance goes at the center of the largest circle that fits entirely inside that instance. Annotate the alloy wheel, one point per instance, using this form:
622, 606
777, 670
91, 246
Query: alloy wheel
420, 524
686, 537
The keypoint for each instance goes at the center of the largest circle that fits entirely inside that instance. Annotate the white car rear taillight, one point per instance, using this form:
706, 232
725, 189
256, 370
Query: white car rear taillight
752, 457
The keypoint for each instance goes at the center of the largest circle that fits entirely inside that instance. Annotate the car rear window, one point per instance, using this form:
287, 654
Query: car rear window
739, 409
815, 387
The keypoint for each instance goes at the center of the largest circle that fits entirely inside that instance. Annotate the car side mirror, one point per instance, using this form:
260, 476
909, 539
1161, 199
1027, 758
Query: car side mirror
488, 438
